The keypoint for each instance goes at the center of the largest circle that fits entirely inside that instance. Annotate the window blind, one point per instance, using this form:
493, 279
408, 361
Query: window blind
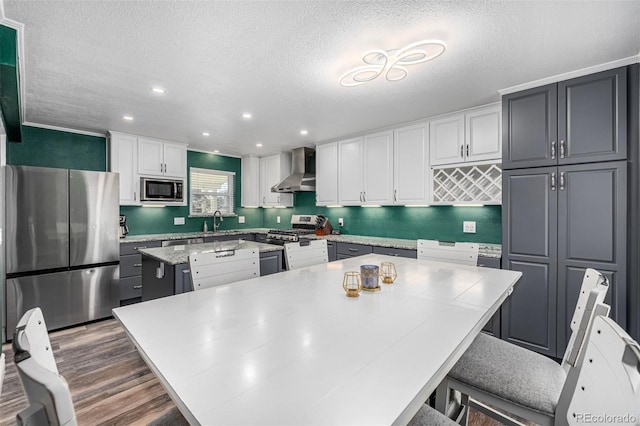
211, 190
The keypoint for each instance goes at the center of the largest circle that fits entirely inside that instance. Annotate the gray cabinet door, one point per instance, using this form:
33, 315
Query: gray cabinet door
332, 251
592, 217
592, 118
529, 244
529, 128
270, 262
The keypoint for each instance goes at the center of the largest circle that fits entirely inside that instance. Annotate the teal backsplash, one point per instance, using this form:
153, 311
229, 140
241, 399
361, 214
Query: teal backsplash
435, 222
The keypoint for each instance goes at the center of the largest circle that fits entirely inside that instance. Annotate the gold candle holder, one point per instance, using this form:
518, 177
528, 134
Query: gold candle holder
388, 272
352, 283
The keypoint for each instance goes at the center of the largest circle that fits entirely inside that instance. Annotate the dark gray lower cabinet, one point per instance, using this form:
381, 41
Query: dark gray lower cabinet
332, 251
558, 221
412, 254
176, 279
493, 326
131, 271
348, 250
246, 237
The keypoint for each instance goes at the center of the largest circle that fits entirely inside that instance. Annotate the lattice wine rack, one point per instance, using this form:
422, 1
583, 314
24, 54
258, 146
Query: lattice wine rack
479, 183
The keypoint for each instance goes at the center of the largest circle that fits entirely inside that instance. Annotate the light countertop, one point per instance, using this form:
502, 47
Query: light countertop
176, 255
186, 235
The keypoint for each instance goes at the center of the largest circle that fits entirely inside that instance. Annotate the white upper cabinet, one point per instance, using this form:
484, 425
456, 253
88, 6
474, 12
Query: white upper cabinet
474, 135
158, 158
378, 168
327, 174
410, 165
484, 134
350, 172
272, 170
123, 155
250, 182
447, 139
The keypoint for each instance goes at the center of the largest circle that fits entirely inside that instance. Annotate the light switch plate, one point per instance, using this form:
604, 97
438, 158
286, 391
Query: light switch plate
178, 220
240, 219
277, 219
469, 227
341, 221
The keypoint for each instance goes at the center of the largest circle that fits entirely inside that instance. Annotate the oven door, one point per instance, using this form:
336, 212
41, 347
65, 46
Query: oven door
161, 190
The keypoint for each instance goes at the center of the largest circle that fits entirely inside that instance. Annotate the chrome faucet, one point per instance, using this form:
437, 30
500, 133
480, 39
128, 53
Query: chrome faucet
217, 225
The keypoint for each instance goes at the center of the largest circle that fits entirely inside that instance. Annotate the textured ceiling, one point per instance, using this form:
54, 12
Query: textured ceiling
88, 63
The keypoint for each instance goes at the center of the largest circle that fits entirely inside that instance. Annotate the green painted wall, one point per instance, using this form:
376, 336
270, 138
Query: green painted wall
8, 49
54, 148
143, 220
436, 222
9, 98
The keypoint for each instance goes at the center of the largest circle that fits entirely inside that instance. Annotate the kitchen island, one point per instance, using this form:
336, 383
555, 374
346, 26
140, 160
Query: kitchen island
165, 270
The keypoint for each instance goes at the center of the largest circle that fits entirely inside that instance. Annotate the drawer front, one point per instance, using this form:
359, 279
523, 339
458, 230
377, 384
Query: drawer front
489, 262
132, 248
131, 265
260, 238
130, 287
354, 249
412, 254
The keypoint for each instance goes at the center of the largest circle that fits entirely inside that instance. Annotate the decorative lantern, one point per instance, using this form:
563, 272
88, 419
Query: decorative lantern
352, 284
388, 272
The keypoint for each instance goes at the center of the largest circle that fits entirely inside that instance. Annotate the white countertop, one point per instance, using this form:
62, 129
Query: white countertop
291, 348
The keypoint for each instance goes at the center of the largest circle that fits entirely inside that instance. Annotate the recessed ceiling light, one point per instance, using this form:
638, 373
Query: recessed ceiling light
304, 132
157, 89
246, 115
206, 134
259, 145
215, 151
127, 117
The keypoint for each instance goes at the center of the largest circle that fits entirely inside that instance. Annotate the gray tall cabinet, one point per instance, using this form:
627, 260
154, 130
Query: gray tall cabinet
564, 202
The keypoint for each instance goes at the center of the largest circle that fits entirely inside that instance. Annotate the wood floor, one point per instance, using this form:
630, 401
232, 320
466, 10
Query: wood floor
110, 383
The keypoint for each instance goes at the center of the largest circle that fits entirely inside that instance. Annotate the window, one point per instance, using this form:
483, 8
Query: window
210, 190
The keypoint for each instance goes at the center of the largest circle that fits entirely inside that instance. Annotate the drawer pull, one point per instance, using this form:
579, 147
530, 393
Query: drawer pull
392, 254
137, 265
138, 248
354, 250
137, 287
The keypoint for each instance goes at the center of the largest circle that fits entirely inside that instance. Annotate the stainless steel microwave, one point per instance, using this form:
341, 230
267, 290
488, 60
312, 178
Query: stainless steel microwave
167, 190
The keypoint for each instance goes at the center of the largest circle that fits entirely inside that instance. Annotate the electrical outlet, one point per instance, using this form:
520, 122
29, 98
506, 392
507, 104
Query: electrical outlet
277, 219
178, 220
340, 221
240, 219
469, 227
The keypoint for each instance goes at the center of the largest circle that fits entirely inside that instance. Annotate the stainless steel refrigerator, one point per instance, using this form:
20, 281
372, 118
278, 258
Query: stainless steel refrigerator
61, 246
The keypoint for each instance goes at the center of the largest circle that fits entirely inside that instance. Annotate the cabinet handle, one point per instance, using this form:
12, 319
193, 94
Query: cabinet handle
392, 254
467, 150
562, 148
137, 265
553, 150
354, 250
461, 151
395, 195
134, 195
364, 196
138, 248
278, 199
553, 181
264, 200
136, 287
562, 181
160, 167
360, 196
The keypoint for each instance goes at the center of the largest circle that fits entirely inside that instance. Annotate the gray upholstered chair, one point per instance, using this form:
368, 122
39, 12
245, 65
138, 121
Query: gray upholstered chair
444, 251
210, 269
518, 380
47, 391
305, 253
427, 416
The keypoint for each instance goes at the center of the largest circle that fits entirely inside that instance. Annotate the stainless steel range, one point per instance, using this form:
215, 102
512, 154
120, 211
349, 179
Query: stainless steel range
300, 225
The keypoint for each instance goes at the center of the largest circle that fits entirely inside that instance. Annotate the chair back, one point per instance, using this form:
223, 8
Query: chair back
592, 293
211, 269
447, 251
2, 363
605, 388
31, 336
305, 253
46, 390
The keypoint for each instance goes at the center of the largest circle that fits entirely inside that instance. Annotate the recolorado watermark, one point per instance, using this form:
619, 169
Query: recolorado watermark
608, 419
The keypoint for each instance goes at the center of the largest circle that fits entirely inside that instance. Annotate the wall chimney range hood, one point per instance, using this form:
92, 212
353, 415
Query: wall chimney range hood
303, 172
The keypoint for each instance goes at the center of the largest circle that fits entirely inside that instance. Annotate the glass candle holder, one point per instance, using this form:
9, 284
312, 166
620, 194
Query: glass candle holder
352, 284
388, 272
369, 275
